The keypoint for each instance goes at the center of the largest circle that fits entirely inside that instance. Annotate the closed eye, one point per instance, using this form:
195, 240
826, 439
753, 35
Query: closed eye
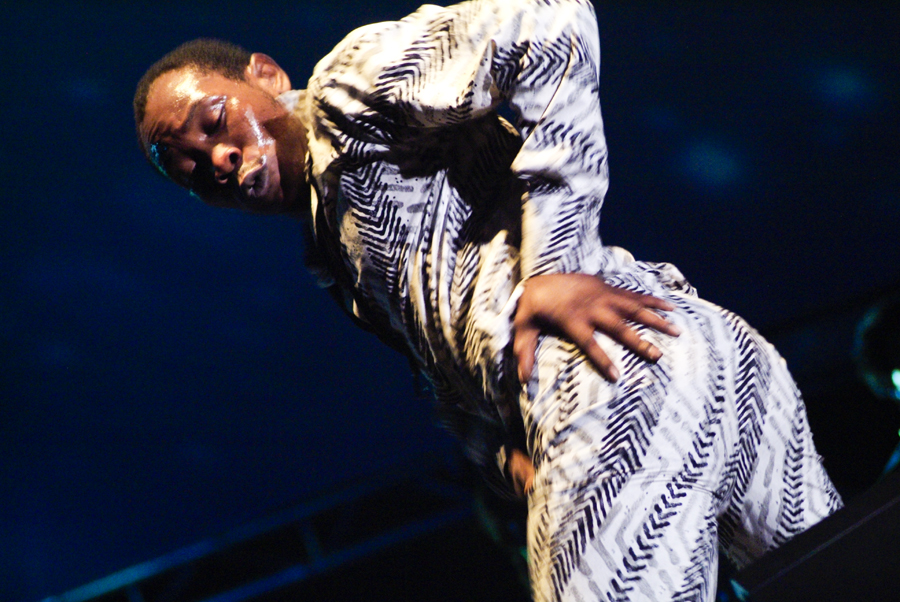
219, 123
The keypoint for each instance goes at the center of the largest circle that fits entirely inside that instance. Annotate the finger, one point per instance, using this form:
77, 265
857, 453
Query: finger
627, 336
656, 303
640, 314
650, 318
521, 470
585, 341
640, 299
524, 348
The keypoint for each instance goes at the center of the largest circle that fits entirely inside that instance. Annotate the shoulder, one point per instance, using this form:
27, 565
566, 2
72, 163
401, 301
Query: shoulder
366, 51
367, 47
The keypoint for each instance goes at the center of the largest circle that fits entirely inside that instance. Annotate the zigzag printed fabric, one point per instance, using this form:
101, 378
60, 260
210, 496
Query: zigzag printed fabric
638, 483
439, 209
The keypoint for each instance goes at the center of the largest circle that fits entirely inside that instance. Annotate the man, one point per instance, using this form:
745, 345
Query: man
468, 243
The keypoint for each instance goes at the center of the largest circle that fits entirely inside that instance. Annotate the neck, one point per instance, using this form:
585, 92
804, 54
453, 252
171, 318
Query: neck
292, 99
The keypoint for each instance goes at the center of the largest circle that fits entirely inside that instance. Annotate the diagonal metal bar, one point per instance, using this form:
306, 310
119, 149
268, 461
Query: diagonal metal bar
129, 580
298, 573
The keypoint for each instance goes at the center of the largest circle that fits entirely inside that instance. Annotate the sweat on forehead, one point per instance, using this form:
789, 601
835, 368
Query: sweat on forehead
182, 87
205, 55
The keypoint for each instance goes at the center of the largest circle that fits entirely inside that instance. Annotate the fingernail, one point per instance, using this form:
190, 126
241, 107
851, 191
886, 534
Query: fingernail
674, 330
613, 373
654, 353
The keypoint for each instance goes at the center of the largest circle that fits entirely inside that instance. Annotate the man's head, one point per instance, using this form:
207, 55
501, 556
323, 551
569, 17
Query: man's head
207, 117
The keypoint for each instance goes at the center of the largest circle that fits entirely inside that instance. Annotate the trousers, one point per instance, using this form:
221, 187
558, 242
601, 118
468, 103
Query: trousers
639, 483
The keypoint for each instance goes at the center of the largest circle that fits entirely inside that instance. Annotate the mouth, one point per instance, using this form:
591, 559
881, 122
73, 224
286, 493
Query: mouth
254, 183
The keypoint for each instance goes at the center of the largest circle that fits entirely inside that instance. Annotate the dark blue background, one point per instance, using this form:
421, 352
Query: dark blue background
170, 371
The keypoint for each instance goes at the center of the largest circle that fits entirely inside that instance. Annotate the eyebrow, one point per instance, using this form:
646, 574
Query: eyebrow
191, 113
159, 150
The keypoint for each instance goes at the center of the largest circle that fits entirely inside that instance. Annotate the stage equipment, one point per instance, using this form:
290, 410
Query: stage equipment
851, 555
415, 535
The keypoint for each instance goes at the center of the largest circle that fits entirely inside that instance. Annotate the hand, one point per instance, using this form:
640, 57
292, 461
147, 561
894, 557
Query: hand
577, 305
522, 472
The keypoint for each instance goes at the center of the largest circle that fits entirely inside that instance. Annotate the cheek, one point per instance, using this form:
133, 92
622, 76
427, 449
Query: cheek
257, 134
181, 172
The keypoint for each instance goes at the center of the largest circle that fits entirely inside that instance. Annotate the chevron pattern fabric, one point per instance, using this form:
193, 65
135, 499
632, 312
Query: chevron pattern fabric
439, 208
639, 482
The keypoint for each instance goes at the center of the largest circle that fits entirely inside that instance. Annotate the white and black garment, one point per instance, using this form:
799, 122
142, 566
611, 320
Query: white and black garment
437, 210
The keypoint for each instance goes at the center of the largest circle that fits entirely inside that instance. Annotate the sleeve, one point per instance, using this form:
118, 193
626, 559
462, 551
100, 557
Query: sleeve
442, 66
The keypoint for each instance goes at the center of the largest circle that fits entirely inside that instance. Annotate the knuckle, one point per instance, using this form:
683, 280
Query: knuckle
634, 310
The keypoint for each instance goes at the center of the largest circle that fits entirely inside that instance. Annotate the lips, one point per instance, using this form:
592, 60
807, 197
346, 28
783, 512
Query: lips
255, 181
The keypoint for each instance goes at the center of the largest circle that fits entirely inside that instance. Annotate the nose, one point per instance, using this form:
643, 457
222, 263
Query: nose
225, 159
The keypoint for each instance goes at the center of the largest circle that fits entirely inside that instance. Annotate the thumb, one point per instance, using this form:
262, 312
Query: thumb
524, 347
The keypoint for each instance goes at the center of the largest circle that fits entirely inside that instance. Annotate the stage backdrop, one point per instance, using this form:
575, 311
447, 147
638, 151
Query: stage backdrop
170, 371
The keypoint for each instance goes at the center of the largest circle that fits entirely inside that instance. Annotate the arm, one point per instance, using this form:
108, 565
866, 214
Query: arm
442, 66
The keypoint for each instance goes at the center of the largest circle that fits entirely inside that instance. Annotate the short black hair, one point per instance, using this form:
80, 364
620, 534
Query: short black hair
206, 54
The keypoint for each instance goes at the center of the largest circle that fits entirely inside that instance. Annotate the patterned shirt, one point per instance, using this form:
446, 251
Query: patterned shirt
433, 210
440, 207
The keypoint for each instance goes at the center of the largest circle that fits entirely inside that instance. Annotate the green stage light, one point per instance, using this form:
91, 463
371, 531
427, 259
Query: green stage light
877, 348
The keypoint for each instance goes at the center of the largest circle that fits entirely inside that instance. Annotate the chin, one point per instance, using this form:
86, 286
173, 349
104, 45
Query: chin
268, 205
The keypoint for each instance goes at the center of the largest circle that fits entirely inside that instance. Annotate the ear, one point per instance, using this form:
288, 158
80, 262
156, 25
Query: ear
264, 72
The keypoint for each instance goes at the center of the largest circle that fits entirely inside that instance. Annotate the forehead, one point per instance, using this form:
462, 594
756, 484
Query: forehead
172, 95
175, 90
